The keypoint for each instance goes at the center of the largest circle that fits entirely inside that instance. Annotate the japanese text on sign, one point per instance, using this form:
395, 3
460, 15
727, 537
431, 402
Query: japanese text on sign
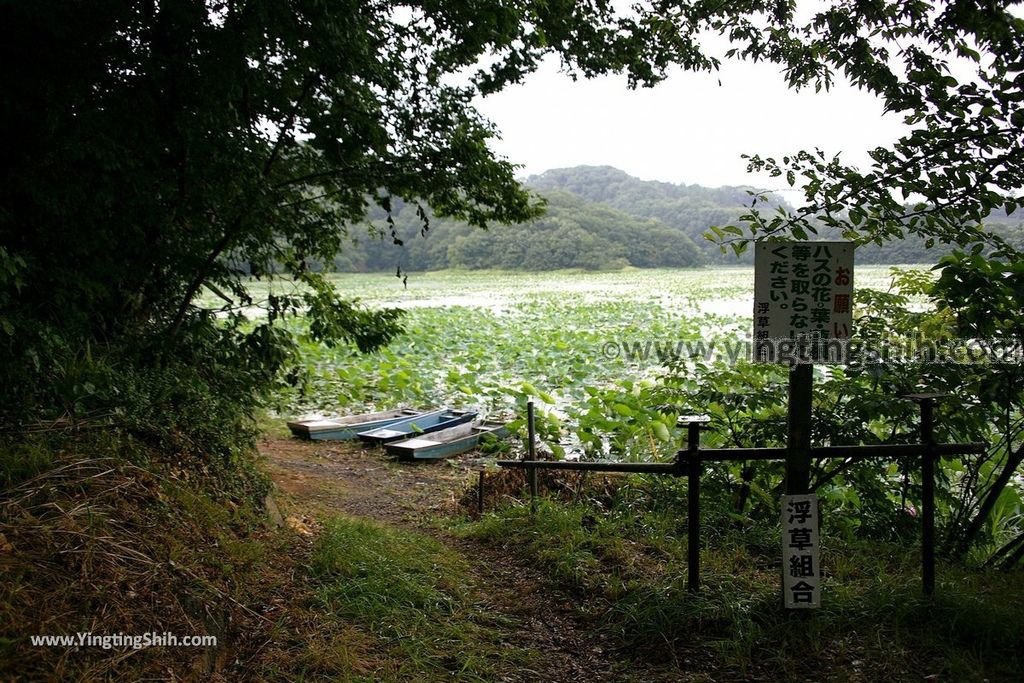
803, 294
801, 573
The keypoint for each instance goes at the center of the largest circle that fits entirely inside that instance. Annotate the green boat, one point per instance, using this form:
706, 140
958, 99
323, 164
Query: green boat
446, 442
348, 427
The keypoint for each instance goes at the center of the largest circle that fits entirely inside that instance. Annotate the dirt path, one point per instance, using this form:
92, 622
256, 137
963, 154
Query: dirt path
318, 479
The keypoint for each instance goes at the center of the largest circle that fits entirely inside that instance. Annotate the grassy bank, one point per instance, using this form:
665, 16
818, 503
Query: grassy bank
626, 560
416, 596
101, 535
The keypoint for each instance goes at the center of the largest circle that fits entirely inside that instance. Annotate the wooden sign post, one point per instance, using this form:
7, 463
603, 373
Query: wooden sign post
801, 571
803, 314
798, 441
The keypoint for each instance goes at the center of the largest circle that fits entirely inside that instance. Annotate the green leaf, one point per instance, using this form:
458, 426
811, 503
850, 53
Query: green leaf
661, 431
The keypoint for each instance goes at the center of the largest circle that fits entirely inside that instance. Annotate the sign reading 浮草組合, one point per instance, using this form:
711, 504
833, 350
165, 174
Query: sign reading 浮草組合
803, 301
801, 574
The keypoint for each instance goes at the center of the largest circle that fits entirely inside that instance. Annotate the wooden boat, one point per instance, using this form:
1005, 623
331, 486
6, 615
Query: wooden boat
447, 442
421, 424
345, 428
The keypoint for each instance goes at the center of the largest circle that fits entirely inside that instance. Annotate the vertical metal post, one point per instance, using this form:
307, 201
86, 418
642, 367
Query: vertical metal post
531, 455
928, 497
798, 441
928, 457
693, 507
480, 494
798, 444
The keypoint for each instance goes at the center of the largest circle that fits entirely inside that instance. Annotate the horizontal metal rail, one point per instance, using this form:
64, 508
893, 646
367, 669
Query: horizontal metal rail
689, 461
729, 454
632, 467
733, 454
897, 450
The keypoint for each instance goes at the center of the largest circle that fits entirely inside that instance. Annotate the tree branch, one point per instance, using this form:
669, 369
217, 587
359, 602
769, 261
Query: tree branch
229, 233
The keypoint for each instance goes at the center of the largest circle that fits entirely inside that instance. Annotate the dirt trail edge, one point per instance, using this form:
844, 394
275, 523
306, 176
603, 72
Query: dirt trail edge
318, 479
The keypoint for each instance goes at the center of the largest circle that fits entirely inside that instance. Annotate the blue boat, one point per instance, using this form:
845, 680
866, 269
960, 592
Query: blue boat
421, 424
346, 428
447, 442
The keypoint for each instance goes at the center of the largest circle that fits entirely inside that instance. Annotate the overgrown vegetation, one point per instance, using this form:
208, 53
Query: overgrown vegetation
502, 338
623, 549
611, 375
101, 534
909, 337
414, 594
491, 334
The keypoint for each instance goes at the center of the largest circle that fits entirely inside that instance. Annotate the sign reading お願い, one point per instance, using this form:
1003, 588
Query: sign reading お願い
803, 301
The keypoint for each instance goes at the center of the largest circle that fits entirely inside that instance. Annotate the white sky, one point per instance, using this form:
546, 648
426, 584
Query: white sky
688, 129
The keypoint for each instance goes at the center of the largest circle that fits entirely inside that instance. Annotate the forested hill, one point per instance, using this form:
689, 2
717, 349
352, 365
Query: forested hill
689, 209
692, 209
573, 233
598, 218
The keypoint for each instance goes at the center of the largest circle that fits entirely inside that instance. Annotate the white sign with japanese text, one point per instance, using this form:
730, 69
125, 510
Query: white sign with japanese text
801, 573
803, 301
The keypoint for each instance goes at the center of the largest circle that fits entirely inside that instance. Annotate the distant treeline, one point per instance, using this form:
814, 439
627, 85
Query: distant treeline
573, 233
598, 218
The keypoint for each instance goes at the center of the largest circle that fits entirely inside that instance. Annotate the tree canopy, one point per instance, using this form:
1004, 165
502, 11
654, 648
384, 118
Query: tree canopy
953, 70
157, 146
160, 145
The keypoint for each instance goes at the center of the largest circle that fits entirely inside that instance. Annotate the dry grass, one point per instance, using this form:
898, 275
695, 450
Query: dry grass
90, 546
94, 543
503, 487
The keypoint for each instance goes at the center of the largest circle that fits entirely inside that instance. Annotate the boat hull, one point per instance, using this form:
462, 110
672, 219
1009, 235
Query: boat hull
422, 424
447, 442
347, 428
